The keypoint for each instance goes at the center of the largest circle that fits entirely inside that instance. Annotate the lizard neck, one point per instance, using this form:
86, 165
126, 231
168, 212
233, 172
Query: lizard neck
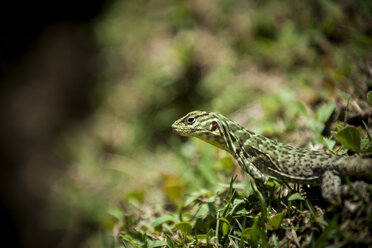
234, 136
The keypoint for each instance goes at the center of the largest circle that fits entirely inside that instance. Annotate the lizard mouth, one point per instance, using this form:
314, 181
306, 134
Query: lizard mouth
176, 129
180, 131
184, 131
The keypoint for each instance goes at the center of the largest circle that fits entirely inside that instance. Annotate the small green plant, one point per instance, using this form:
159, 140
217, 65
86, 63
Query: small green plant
351, 137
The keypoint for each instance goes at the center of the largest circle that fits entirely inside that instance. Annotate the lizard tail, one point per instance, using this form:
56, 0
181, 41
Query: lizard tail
359, 166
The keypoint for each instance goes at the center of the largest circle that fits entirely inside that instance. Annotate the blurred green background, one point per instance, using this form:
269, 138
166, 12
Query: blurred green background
273, 66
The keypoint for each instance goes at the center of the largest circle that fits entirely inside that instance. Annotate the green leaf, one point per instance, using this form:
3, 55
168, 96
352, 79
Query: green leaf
252, 233
248, 185
233, 243
339, 127
156, 243
174, 188
321, 116
315, 125
228, 163
275, 221
205, 166
272, 184
295, 196
367, 131
365, 146
129, 239
326, 234
194, 196
237, 205
349, 137
369, 97
138, 195
116, 213
324, 112
274, 240
329, 143
225, 226
162, 219
301, 108
184, 227
170, 242
201, 236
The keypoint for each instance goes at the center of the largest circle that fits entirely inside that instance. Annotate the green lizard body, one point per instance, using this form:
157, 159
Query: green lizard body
259, 155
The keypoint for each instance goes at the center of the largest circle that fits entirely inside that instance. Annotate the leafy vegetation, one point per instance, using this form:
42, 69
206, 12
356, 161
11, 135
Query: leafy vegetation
294, 71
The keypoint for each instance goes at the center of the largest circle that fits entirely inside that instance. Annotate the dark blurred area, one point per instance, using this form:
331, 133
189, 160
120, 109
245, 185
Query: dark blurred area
48, 67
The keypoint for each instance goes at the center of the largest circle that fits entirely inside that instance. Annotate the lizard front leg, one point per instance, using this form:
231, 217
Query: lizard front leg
331, 186
248, 166
238, 153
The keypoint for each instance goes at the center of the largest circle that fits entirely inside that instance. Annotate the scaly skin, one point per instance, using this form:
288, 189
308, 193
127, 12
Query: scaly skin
259, 155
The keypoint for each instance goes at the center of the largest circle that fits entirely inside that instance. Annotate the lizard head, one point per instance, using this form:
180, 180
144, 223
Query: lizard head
203, 125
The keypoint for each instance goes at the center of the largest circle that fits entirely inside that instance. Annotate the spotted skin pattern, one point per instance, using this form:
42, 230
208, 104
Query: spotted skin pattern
259, 155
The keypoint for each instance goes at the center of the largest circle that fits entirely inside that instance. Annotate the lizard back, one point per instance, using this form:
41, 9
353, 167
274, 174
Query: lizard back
282, 161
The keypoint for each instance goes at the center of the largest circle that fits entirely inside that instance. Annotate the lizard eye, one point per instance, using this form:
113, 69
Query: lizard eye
190, 120
214, 126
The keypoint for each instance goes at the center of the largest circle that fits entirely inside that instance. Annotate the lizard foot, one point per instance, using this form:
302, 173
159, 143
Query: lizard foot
331, 183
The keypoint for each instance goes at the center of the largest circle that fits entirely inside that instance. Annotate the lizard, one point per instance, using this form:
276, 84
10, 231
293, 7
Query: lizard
260, 156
